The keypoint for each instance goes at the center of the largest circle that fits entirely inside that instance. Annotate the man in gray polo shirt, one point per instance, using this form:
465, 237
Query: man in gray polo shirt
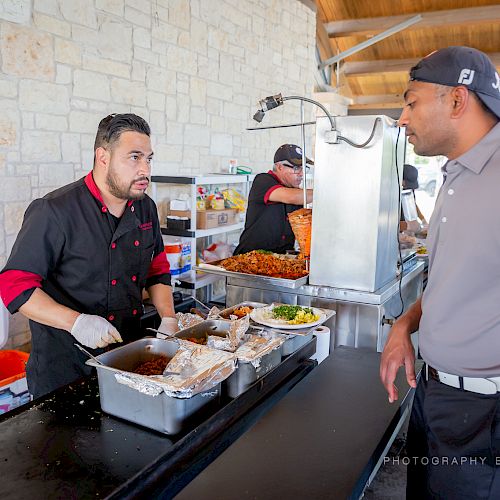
452, 108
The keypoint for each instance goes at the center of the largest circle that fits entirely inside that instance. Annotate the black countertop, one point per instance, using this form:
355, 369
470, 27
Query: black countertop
64, 446
321, 440
297, 433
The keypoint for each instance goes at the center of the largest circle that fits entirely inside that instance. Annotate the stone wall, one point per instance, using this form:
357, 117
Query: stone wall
194, 69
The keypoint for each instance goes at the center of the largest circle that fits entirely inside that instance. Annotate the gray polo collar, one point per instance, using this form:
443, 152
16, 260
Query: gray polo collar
476, 158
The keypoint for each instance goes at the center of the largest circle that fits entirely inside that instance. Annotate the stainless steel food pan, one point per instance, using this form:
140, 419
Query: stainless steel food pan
225, 313
162, 413
294, 342
246, 374
216, 327
258, 279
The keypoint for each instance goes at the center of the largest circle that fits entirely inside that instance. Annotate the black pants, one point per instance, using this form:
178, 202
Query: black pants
453, 444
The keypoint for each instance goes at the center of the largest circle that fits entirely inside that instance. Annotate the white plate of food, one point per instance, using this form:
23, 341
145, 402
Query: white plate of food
288, 317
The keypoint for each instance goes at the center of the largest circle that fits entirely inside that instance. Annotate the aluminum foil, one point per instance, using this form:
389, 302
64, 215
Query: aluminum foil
256, 346
185, 320
230, 343
213, 313
197, 369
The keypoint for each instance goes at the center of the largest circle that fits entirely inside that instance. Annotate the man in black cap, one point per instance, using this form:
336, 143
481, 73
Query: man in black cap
452, 108
272, 197
410, 181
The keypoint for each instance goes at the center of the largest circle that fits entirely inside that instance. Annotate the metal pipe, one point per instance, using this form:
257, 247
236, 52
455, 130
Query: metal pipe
303, 134
300, 98
281, 126
363, 45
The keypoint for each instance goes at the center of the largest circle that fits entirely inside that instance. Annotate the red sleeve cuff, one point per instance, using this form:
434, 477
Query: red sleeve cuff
159, 265
14, 282
269, 191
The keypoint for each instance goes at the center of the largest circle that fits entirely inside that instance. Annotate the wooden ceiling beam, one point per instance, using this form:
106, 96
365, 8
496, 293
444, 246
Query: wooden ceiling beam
358, 68
436, 19
326, 51
389, 101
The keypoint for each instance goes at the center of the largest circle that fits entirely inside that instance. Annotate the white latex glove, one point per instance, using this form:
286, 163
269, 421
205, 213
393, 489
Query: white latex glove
94, 331
168, 326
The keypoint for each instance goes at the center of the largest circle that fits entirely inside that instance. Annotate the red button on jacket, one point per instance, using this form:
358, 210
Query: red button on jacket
113, 282
113, 245
134, 278
111, 317
136, 243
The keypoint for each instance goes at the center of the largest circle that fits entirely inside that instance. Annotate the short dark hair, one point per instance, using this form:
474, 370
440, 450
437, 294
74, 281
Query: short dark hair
112, 127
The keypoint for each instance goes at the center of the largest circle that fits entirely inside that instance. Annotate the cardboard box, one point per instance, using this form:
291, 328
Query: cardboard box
180, 213
208, 219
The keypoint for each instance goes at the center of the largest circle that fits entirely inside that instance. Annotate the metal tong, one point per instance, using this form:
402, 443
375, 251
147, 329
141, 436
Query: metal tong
91, 356
164, 336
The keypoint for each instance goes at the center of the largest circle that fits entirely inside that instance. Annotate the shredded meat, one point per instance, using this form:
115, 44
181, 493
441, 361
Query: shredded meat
256, 262
155, 366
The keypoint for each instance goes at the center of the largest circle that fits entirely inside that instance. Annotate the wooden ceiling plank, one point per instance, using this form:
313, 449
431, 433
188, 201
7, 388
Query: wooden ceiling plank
374, 25
357, 68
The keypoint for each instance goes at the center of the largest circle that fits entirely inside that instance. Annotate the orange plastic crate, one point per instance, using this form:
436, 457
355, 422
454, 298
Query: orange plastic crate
12, 366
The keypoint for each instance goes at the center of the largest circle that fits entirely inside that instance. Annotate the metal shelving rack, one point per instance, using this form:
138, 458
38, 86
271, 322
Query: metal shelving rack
194, 282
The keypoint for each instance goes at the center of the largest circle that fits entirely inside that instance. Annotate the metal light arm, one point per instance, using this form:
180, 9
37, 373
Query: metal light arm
274, 101
312, 101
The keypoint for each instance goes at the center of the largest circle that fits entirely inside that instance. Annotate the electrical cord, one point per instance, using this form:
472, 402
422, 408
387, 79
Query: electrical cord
397, 231
364, 144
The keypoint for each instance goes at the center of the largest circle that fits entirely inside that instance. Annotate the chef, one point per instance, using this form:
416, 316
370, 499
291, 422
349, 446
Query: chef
83, 256
272, 197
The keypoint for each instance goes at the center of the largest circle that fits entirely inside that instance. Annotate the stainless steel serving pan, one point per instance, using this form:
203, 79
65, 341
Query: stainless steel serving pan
216, 327
294, 342
225, 313
213, 268
162, 413
246, 373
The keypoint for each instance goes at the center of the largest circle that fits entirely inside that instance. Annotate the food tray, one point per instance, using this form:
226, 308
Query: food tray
294, 339
213, 268
162, 413
217, 327
225, 313
246, 373
294, 342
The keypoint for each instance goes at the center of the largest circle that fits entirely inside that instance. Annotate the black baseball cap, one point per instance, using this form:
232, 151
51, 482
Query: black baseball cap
454, 66
410, 176
292, 154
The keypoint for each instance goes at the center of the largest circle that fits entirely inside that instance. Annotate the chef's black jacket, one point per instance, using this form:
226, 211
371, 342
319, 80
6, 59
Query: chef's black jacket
266, 224
84, 258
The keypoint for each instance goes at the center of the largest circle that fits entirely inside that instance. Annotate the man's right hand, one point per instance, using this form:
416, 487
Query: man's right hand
398, 351
94, 331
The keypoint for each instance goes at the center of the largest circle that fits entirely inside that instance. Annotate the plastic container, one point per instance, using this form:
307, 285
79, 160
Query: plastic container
178, 256
13, 385
12, 366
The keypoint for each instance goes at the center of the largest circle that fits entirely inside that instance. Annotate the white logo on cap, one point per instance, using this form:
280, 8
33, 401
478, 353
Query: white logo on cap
496, 85
298, 151
466, 76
